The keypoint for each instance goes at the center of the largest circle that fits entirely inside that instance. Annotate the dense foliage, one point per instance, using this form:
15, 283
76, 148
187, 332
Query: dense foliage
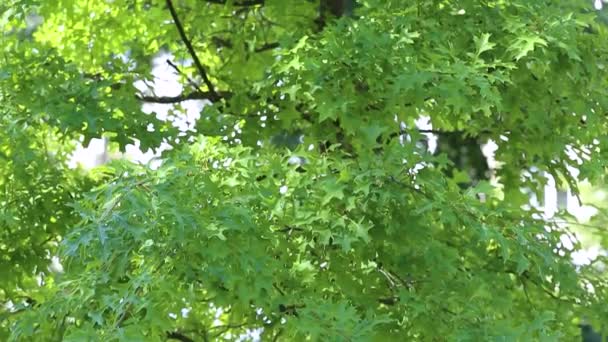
303, 205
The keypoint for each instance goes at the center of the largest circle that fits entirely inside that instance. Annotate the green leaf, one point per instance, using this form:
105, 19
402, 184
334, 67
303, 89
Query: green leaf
526, 44
483, 44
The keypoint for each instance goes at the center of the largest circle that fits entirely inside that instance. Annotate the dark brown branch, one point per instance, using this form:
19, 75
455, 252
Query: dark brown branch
197, 62
197, 95
175, 335
267, 46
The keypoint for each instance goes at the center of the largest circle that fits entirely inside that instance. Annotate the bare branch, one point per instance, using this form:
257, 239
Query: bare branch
197, 62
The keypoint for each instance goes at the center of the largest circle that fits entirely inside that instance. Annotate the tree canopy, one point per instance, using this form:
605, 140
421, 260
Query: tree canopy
303, 204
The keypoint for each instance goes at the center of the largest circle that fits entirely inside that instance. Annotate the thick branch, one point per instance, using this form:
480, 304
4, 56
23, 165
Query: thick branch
197, 95
188, 44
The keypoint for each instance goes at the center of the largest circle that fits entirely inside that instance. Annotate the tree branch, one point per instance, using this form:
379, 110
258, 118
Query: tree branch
197, 62
179, 71
221, 42
266, 47
276, 336
197, 95
176, 335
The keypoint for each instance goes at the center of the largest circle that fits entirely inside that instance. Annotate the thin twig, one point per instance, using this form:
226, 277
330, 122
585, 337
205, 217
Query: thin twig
289, 229
586, 225
221, 42
389, 278
276, 336
197, 62
525, 288
179, 71
278, 289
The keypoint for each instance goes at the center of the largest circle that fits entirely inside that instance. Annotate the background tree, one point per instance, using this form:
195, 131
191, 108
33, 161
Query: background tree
367, 238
